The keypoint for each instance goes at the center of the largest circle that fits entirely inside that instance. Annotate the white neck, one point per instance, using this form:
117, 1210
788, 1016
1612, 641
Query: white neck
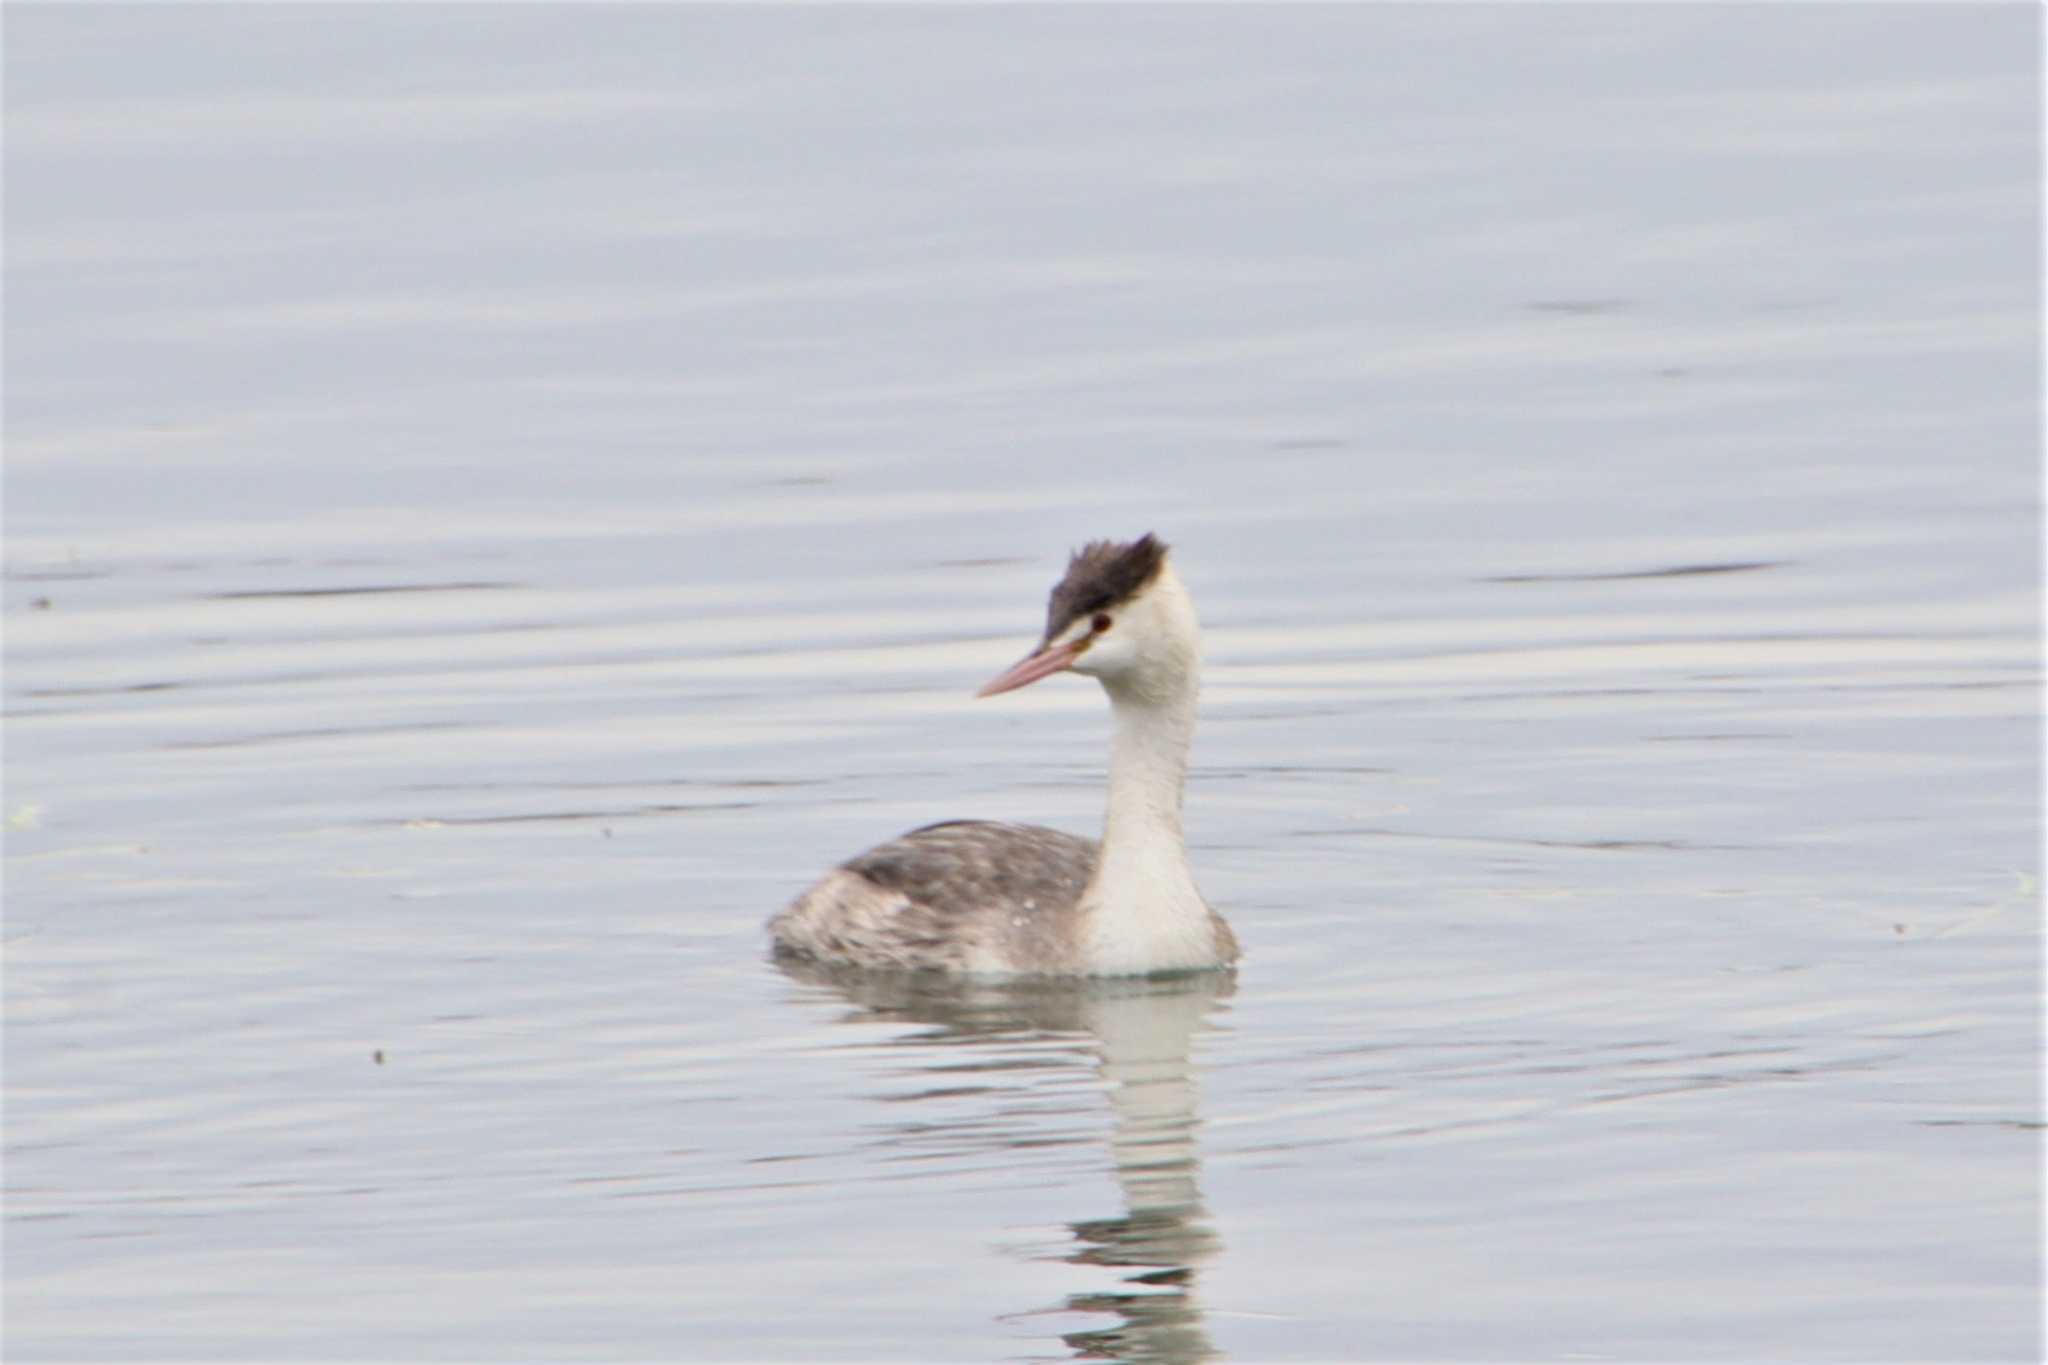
1143, 913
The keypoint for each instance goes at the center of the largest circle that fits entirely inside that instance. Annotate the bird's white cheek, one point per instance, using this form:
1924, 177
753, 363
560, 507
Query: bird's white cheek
1103, 659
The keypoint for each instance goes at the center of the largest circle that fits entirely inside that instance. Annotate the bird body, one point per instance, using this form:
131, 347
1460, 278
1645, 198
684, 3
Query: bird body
986, 898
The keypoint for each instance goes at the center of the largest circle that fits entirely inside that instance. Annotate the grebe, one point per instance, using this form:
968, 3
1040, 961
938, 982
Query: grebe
985, 898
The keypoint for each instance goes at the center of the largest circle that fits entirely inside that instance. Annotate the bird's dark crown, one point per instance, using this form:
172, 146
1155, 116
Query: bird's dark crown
1102, 575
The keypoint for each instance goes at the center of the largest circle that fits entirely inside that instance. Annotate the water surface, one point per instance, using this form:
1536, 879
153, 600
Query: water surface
498, 499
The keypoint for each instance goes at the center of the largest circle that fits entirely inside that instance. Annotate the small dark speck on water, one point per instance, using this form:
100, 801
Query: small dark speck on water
41, 604
377, 1056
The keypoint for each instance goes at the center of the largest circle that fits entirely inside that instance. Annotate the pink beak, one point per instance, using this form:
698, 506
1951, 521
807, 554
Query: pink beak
1042, 663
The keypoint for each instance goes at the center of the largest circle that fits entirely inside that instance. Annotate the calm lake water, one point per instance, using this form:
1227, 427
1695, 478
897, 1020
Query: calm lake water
498, 499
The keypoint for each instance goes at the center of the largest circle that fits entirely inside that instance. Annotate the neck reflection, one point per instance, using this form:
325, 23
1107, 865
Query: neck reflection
1141, 1035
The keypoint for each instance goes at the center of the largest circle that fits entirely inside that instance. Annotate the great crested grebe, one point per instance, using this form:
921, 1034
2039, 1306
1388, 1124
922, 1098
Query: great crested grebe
985, 898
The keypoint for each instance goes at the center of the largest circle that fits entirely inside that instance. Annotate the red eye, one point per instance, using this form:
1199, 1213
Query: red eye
1101, 622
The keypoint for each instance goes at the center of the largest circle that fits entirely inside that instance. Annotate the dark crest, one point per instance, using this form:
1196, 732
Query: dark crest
1101, 575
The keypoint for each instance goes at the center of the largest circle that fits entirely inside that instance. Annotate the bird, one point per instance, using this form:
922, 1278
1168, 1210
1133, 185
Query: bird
983, 898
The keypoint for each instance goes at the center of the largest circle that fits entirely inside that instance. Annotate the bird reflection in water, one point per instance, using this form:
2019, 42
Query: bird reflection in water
1141, 1033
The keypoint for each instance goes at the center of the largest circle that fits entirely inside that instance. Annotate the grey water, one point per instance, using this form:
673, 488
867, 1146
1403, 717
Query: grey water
499, 498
